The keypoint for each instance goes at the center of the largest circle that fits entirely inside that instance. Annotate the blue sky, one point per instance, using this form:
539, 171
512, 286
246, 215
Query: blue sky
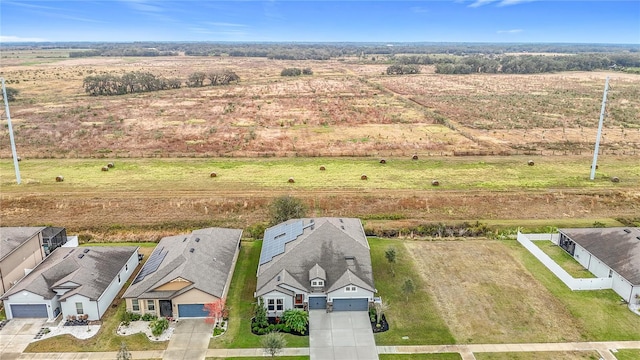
520, 21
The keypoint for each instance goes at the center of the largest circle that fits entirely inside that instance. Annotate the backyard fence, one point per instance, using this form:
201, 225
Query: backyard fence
572, 283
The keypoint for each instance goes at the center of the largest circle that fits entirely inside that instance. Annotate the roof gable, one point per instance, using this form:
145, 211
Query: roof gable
203, 258
89, 270
317, 272
325, 246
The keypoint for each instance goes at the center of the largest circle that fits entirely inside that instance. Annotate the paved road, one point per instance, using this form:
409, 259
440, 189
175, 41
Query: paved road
191, 339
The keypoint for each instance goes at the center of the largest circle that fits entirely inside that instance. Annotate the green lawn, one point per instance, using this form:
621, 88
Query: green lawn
562, 258
443, 356
341, 173
603, 316
539, 355
240, 301
414, 316
628, 354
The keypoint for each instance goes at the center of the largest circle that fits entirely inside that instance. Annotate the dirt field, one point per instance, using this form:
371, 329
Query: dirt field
498, 310
344, 109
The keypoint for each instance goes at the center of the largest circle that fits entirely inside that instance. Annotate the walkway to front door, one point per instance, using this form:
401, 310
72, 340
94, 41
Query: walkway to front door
343, 335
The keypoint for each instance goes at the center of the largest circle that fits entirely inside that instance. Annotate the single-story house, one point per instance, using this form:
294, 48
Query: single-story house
321, 263
72, 281
184, 273
20, 251
608, 252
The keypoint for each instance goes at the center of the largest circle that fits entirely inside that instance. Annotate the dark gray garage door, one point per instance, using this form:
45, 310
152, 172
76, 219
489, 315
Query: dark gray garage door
191, 310
29, 311
350, 305
317, 303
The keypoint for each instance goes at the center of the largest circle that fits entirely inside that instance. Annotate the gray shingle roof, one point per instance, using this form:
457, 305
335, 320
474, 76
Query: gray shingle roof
207, 267
93, 272
327, 244
617, 248
12, 238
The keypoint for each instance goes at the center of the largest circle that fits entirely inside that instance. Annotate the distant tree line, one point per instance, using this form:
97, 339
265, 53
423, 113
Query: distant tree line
129, 83
217, 77
138, 82
121, 52
296, 72
399, 69
533, 64
320, 51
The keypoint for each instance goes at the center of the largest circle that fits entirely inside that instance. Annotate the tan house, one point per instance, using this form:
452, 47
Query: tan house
184, 273
20, 251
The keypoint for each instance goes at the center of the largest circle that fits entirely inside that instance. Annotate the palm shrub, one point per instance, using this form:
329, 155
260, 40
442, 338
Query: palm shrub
296, 319
158, 326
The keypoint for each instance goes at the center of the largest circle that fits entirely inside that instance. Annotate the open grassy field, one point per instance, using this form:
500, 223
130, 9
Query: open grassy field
478, 287
346, 108
444, 356
493, 189
628, 354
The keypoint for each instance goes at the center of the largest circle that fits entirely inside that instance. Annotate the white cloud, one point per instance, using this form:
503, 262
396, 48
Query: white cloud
11, 38
419, 9
512, 31
478, 3
143, 6
223, 24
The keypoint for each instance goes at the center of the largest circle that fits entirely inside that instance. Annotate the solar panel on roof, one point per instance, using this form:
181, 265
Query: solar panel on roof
277, 237
152, 264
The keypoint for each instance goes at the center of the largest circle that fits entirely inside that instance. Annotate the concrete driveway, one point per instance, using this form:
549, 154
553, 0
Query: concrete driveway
16, 335
189, 341
344, 335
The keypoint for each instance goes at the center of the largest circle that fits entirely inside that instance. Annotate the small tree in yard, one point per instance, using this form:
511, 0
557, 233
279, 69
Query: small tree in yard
408, 288
215, 310
273, 342
123, 353
296, 320
390, 254
381, 308
285, 207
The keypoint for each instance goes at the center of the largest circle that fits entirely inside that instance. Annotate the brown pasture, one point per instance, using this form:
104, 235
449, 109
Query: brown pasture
345, 108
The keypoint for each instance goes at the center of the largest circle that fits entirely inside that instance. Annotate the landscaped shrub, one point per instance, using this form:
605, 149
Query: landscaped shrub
158, 326
296, 319
149, 317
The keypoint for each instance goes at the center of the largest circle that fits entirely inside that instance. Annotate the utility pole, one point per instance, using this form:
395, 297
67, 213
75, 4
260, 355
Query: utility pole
602, 110
13, 142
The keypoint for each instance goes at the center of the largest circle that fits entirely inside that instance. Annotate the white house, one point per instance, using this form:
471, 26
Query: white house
321, 263
608, 253
72, 281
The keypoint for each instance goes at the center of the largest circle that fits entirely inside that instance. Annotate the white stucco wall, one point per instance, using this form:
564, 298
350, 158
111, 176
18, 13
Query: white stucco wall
29, 298
89, 307
342, 294
288, 302
110, 293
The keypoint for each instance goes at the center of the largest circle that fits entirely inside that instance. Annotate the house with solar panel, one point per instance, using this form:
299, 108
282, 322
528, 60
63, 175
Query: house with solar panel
184, 273
81, 281
610, 253
321, 263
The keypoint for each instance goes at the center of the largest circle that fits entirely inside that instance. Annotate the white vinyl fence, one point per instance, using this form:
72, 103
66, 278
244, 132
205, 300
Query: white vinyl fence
572, 283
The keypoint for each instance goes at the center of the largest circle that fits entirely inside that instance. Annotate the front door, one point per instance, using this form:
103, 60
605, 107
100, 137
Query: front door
166, 308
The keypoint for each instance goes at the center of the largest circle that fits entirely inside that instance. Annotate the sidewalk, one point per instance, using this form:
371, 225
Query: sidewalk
466, 351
